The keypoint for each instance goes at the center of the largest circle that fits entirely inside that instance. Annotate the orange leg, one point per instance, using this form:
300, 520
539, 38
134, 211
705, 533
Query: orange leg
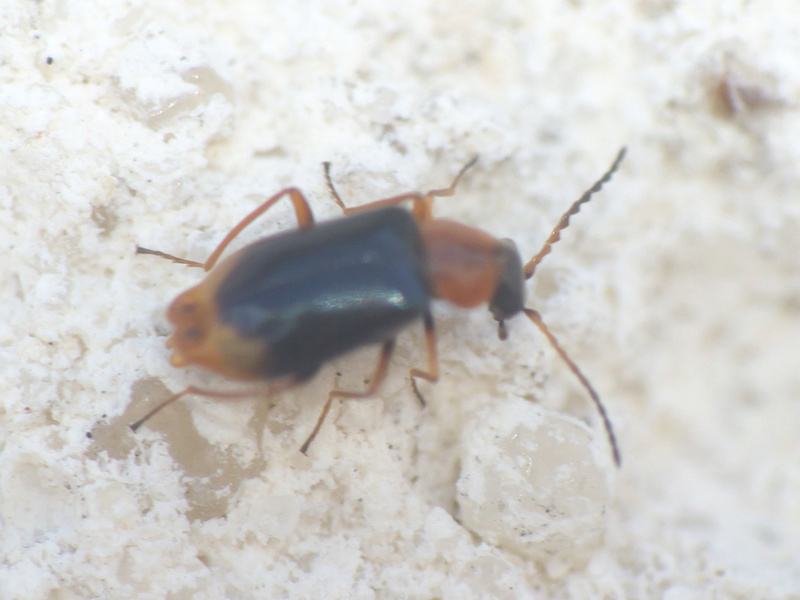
432, 374
377, 379
563, 222
304, 219
194, 391
537, 320
422, 203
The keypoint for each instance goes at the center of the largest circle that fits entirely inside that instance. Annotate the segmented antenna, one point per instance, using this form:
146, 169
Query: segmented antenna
563, 222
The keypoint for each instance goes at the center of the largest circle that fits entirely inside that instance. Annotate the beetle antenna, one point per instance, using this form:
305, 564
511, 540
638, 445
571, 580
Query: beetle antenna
612, 439
563, 222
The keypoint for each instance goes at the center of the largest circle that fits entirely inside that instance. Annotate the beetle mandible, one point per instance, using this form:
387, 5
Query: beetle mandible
279, 308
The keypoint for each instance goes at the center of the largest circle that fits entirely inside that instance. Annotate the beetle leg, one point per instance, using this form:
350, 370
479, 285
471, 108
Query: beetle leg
305, 218
422, 203
537, 320
194, 391
377, 379
336, 197
175, 259
191, 390
563, 222
432, 374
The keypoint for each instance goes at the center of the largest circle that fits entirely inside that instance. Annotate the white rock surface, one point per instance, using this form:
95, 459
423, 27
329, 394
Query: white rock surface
676, 290
531, 483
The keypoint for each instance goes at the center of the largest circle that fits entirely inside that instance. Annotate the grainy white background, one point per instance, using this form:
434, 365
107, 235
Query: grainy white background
677, 290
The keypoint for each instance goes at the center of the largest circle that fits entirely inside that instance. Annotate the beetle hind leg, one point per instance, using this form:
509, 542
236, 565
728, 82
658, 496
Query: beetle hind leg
175, 259
305, 218
195, 391
380, 374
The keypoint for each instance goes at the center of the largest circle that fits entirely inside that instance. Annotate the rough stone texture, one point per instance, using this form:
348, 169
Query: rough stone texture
676, 290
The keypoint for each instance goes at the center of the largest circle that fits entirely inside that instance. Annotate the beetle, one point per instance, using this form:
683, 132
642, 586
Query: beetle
277, 309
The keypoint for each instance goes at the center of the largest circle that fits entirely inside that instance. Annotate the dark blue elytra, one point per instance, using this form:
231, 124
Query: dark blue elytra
311, 294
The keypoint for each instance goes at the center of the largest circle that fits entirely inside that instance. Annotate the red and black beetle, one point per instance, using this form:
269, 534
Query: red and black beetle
277, 309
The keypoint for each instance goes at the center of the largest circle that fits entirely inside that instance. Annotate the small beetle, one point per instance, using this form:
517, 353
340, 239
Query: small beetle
277, 309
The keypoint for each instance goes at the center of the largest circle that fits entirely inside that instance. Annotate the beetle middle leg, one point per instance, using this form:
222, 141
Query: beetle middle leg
432, 374
377, 379
422, 206
305, 218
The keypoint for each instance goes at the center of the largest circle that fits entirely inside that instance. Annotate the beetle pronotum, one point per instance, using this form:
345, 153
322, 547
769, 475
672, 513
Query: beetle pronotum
279, 308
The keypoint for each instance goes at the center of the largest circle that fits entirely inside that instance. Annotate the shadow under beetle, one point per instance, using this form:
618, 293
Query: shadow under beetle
277, 309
